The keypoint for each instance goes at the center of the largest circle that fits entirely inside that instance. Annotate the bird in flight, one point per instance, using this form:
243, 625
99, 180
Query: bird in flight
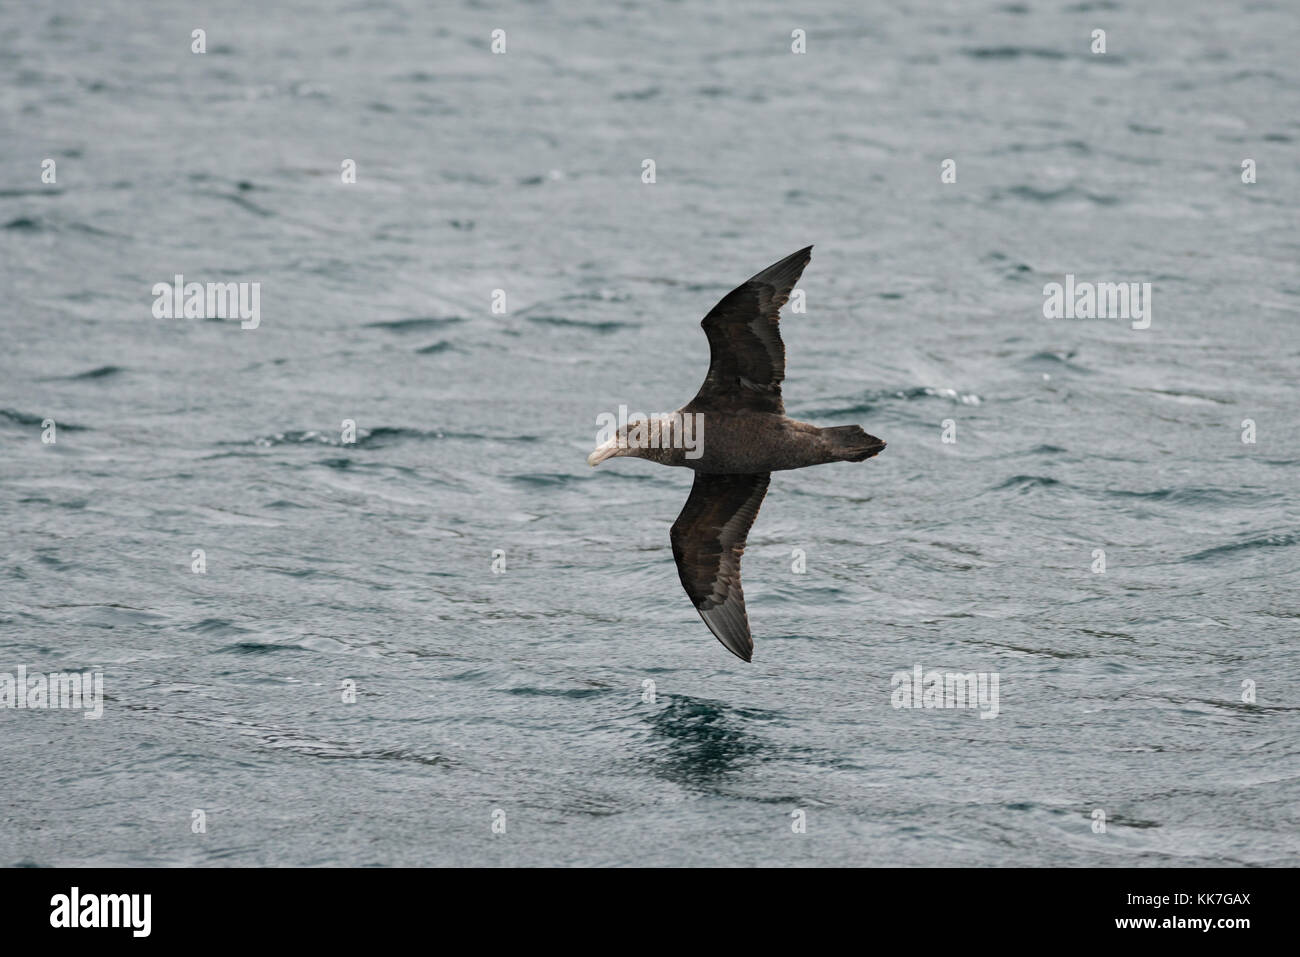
734, 434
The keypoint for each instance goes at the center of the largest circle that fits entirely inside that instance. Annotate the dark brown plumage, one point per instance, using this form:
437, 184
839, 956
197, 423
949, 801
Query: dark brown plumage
746, 436
746, 354
708, 539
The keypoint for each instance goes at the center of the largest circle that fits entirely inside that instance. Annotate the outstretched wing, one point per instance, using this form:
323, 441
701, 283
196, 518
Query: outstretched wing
708, 540
746, 354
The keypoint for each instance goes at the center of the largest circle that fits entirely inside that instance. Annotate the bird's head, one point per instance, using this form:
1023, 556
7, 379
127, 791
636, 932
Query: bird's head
616, 445
642, 438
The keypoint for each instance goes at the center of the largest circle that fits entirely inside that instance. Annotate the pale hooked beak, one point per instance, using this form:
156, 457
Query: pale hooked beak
602, 452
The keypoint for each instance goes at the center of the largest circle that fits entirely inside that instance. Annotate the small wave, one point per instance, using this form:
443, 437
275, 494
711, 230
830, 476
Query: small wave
364, 437
216, 626
1078, 147
479, 436
386, 434
1055, 361
329, 750
1009, 269
545, 479
1280, 540
1191, 496
559, 692
90, 230
25, 418
245, 204
442, 345
374, 438
101, 372
1186, 397
1012, 53
595, 326
414, 324
22, 418
308, 437
858, 408
868, 401
1064, 194
1027, 483
649, 93
257, 648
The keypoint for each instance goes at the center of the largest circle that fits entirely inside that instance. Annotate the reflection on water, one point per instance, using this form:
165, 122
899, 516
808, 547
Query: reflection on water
696, 741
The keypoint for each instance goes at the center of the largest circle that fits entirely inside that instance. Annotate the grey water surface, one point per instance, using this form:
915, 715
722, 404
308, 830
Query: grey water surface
521, 696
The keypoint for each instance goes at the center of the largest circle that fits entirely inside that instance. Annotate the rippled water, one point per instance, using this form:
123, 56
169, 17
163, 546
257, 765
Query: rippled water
523, 692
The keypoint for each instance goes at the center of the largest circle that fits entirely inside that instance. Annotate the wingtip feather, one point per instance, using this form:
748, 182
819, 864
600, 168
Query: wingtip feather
731, 632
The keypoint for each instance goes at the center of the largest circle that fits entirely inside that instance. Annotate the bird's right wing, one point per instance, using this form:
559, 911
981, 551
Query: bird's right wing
746, 354
708, 540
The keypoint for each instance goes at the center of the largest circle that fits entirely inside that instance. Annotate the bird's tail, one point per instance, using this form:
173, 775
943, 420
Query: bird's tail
848, 443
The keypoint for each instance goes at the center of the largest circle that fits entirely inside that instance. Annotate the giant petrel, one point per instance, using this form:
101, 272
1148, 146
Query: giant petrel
744, 437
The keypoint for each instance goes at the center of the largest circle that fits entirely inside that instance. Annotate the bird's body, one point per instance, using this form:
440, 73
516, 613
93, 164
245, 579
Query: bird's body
740, 435
743, 442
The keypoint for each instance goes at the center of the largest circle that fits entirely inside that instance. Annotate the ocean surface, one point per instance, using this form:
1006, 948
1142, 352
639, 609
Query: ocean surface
519, 697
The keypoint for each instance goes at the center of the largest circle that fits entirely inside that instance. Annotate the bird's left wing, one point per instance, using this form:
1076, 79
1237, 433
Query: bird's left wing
708, 540
746, 354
